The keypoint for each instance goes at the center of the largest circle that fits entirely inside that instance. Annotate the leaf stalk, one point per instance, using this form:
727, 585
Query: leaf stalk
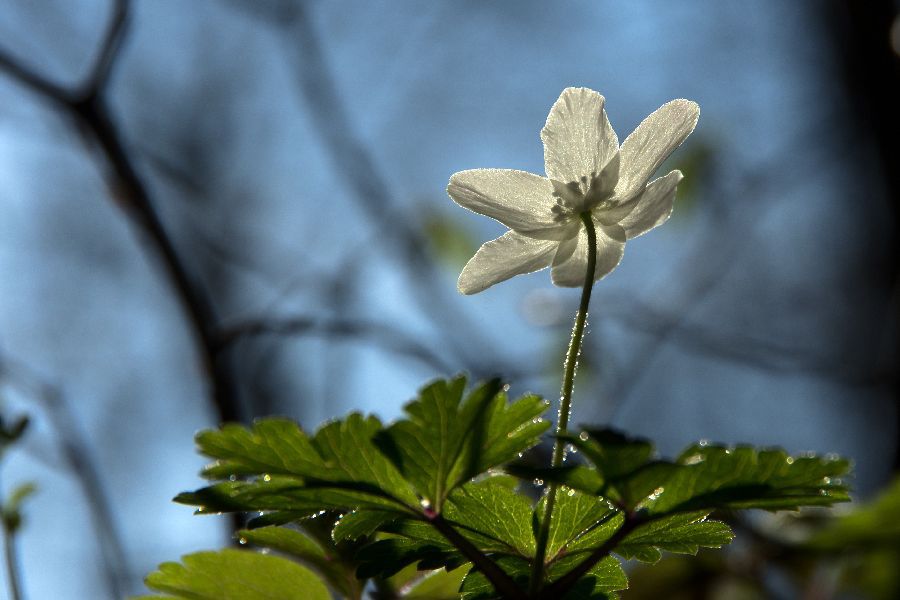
501, 581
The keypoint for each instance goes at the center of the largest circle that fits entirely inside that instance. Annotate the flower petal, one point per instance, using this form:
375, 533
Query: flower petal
578, 139
652, 142
653, 207
570, 262
521, 201
509, 255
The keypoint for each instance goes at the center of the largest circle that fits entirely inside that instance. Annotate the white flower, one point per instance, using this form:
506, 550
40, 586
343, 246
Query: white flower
586, 171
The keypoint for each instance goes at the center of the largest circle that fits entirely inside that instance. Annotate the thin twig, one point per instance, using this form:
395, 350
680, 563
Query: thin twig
12, 564
77, 454
112, 39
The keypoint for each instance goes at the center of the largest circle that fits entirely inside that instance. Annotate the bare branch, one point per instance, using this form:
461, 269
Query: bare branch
88, 110
34, 81
115, 32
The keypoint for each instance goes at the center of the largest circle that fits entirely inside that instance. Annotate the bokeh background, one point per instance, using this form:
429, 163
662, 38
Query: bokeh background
220, 209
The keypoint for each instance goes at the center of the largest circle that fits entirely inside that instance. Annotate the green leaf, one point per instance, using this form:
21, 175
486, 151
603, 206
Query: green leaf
351, 456
361, 523
447, 440
477, 587
708, 477
288, 541
285, 494
273, 446
626, 467
299, 545
277, 518
492, 509
711, 477
578, 477
602, 581
599, 583
338, 468
574, 515
682, 533
236, 575
387, 556
437, 585
614, 454
488, 513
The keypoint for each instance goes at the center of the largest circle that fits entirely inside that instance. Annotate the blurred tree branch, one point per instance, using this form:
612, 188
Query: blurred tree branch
87, 107
370, 188
378, 334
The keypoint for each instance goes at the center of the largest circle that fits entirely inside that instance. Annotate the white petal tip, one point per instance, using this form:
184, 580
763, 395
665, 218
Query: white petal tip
689, 107
466, 286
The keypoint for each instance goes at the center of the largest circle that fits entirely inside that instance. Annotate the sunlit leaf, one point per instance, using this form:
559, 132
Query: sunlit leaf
301, 546
577, 477
488, 513
361, 523
337, 468
683, 533
236, 575
437, 585
711, 477
284, 494
493, 509
447, 439
574, 516
601, 582
389, 555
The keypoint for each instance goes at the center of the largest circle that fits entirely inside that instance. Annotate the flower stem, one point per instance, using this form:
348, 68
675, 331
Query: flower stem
565, 405
12, 564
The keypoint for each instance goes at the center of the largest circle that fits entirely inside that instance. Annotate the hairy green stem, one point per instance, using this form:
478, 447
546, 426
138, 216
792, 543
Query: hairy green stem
565, 403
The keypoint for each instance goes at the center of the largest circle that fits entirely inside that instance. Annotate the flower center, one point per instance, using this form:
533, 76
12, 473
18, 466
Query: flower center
587, 193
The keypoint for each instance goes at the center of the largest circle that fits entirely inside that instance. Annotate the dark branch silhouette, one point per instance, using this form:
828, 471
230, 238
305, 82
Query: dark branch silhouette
86, 106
